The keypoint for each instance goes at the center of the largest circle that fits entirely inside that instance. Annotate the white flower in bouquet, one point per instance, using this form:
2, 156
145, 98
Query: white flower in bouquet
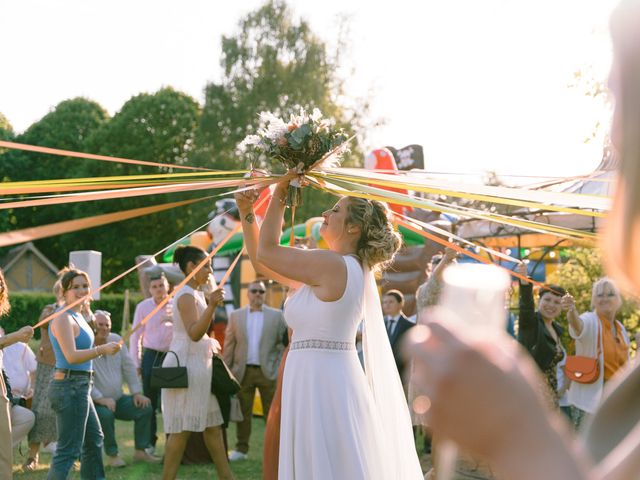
272, 127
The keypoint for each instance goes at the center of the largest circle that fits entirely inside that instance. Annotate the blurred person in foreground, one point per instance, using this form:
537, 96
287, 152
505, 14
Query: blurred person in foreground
508, 422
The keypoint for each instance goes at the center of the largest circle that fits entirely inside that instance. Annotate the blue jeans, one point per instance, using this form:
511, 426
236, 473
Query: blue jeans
79, 433
150, 359
125, 410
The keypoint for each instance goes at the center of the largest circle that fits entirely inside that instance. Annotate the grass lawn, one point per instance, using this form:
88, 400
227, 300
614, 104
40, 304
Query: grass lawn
250, 469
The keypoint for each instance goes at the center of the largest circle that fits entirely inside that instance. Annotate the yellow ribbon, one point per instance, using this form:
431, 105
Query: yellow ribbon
468, 196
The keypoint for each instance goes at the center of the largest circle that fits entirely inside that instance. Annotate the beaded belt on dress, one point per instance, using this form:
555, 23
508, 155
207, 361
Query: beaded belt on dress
322, 344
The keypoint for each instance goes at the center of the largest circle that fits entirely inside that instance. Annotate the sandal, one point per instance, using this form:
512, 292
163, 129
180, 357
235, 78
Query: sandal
30, 465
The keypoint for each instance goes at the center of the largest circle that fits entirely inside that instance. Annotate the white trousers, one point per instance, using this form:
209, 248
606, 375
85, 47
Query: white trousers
22, 420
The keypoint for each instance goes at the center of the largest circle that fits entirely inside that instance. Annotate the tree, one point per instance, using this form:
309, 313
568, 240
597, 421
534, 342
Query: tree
6, 130
157, 127
273, 63
66, 127
6, 133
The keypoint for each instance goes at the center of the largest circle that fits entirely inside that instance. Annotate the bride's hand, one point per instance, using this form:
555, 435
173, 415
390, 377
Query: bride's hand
246, 198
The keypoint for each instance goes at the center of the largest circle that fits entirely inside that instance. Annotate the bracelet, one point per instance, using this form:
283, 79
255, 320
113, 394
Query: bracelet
98, 354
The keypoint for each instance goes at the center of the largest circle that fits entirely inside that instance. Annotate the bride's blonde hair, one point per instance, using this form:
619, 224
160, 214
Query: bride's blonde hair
378, 242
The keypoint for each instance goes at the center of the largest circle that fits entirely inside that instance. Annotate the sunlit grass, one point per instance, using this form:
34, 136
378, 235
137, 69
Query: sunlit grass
249, 469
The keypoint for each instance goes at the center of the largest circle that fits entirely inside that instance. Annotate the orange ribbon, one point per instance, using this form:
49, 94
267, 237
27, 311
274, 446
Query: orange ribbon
91, 156
58, 228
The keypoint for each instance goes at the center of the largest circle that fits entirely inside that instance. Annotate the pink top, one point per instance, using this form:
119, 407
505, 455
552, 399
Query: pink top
156, 334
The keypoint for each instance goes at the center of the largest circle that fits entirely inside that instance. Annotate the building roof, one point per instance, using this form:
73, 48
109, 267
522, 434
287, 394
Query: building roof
15, 254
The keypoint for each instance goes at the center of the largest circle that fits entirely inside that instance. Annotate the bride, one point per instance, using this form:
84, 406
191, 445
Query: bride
336, 422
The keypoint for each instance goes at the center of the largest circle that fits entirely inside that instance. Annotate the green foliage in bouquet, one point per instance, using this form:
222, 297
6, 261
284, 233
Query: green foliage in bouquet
304, 142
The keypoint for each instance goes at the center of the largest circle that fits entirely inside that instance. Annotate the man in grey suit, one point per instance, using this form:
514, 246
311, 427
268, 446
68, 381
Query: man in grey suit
253, 347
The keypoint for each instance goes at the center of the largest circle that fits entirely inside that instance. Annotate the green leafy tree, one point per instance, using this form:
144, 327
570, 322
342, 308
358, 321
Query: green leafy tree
6, 133
583, 267
66, 127
6, 130
273, 63
157, 127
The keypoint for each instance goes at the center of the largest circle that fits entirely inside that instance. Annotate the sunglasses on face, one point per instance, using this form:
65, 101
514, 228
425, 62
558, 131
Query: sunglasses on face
600, 295
255, 290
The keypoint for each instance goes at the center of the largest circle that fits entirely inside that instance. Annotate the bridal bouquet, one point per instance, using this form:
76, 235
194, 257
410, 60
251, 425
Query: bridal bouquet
302, 143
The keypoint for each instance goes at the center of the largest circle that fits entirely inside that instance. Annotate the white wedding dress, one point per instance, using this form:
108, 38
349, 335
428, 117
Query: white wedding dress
333, 426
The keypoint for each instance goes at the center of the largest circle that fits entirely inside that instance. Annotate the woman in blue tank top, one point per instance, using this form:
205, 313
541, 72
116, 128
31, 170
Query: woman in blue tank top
79, 432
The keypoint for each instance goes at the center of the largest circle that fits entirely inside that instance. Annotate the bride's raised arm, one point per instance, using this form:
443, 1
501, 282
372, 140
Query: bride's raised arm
323, 269
251, 231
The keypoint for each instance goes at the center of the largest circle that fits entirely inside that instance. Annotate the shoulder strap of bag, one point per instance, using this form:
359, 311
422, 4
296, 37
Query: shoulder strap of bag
598, 339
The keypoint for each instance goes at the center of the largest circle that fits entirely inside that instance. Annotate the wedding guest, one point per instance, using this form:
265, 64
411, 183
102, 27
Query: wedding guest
396, 323
111, 373
598, 335
540, 333
563, 390
195, 408
44, 431
253, 349
22, 335
150, 342
20, 366
22, 419
79, 433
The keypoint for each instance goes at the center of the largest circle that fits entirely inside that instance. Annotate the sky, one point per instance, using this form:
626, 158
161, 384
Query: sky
482, 85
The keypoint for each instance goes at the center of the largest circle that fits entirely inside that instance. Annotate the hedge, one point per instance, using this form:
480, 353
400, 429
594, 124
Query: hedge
26, 309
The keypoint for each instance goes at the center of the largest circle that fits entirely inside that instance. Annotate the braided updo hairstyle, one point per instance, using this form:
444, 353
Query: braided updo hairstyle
378, 241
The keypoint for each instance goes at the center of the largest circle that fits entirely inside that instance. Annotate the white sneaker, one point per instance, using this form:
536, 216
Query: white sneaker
51, 447
150, 450
236, 455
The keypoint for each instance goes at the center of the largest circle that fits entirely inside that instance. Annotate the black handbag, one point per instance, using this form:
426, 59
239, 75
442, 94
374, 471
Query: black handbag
170, 377
223, 382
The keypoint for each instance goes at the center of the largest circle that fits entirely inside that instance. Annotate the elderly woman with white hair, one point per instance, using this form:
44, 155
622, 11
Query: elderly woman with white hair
598, 335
